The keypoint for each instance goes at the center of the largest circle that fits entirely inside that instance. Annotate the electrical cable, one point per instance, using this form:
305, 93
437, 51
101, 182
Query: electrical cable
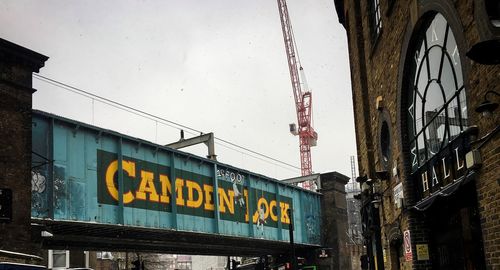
154, 117
111, 102
132, 111
261, 159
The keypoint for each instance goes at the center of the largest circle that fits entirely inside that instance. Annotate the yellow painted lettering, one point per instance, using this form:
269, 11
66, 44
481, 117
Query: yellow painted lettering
245, 193
147, 186
193, 186
284, 212
129, 168
226, 200
209, 204
166, 189
179, 183
272, 205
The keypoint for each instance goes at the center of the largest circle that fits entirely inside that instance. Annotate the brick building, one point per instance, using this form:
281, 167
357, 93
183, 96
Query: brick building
16, 67
422, 71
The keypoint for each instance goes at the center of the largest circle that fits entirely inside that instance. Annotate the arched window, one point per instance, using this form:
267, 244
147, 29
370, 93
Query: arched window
375, 19
385, 144
437, 107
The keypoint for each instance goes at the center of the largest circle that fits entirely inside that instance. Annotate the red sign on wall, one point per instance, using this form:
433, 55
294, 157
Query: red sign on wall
407, 245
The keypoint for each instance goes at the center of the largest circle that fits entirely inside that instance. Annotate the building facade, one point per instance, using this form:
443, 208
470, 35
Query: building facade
354, 232
208, 262
16, 67
425, 84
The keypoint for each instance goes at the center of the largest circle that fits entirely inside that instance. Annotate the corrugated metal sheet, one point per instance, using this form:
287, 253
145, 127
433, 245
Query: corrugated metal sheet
76, 177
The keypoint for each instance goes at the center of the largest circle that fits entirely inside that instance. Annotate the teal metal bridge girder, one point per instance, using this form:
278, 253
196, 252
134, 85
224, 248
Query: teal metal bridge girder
97, 189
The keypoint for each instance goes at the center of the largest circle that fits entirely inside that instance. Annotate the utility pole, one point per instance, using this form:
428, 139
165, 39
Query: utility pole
292, 244
207, 139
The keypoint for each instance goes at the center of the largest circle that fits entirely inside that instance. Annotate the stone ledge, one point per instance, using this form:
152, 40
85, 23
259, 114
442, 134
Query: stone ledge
23, 55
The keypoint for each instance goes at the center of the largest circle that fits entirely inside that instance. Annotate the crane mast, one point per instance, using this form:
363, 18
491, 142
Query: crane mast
303, 97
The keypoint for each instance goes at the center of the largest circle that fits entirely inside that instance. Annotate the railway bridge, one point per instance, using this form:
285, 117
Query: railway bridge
96, 188
70, 185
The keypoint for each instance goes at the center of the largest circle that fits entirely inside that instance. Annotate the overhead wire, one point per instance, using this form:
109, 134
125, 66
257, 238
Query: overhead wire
258, 158
109, 101
153, 117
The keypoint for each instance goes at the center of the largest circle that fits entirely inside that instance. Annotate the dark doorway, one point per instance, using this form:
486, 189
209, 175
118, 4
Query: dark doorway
455, 232
396, 252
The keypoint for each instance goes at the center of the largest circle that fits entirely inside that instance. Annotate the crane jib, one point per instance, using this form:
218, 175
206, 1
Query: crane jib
303, 99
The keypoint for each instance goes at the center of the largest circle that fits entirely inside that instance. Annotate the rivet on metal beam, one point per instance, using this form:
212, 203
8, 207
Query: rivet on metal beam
75, 130
155, 151
98, 137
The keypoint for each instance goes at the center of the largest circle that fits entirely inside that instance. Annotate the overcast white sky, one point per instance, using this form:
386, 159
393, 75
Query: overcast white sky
217, 66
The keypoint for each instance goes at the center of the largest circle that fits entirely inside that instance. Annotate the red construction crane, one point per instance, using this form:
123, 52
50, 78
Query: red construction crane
303, 97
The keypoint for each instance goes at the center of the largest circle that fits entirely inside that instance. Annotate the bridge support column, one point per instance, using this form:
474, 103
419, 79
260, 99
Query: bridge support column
16, 67
335, 255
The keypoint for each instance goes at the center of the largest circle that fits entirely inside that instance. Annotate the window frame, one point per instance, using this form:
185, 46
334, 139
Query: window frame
51, 259
375, 20
411, 94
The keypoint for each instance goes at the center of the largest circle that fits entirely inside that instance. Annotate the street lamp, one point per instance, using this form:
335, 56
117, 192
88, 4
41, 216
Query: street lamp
487, 107
486, 52
376, 201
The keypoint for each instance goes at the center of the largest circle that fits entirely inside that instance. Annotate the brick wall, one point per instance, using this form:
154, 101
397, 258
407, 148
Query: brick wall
334, 224
16, 67
376, 68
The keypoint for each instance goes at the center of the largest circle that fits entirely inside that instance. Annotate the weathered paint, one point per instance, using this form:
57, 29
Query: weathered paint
83, 184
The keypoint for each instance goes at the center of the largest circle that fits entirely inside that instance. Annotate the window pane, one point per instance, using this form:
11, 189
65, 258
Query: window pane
448, 79
421, 149
433, 142
435, 132
422, 78
434, 98
418, 57
434, 55
418, 114
433, 104
454, 121
463, 108
413, 156
452, 50
436, 32
59, 258
375, 18
378, 17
